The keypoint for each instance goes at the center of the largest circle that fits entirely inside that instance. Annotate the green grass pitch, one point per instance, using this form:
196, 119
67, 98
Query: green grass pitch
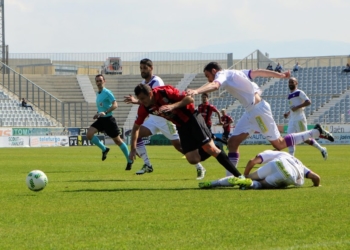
90, 204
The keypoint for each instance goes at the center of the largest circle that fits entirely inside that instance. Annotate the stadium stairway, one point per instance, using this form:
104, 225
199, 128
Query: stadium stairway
86, 88
185, 81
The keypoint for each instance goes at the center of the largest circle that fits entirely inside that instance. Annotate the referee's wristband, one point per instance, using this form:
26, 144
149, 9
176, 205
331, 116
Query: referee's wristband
106, 112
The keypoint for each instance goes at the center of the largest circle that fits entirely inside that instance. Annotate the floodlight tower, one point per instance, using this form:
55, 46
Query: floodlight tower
2, 32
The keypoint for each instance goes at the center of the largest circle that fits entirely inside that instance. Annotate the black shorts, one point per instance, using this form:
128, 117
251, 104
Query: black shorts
108, 125
194, 133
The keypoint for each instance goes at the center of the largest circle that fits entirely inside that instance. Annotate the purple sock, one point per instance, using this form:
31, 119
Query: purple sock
234, 158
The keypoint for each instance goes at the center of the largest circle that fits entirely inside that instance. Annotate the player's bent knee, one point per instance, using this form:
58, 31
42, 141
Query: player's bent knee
144, 132
203, 155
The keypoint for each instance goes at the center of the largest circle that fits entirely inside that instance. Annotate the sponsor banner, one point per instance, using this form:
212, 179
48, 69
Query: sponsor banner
38, 131
5, 132
14, 141
49, 141
334, 128
339, 138
159, 139
81, 140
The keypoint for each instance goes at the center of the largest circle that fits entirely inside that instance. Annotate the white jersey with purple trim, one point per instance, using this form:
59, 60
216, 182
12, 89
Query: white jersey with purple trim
296, 98
155, 81
238, 83
292, 165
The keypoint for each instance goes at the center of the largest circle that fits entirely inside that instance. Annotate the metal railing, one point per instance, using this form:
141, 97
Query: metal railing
65, 114
91, 63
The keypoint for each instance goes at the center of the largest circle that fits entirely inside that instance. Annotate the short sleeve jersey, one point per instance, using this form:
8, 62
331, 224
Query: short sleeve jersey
104, 100
238, 83
206, 110
226, 119
296, 98
163, 96
155, 81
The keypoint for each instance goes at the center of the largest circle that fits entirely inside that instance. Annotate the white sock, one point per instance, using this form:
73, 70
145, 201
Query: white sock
199, 166
291, 150
256, 185
315, 144
297, 138
142, 152
223, 182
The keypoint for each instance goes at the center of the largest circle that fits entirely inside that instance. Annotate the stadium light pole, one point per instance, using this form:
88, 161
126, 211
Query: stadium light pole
2, 30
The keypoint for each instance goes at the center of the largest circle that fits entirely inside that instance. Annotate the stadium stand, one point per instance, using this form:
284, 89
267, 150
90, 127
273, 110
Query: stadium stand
13, 114
321, 84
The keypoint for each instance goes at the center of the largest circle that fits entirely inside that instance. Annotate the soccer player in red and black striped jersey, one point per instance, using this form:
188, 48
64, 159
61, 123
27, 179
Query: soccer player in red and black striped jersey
226, 121
207, 109
195, 137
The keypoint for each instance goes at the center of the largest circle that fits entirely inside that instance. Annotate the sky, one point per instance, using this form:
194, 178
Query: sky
281, 28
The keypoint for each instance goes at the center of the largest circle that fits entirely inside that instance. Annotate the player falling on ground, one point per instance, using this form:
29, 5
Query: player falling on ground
280, 170
195, 137
258, 115
298, 100
106, 103
155, 123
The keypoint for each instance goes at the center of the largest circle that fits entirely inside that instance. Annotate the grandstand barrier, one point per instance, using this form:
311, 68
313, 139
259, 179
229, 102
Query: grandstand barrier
34, 141
45, 137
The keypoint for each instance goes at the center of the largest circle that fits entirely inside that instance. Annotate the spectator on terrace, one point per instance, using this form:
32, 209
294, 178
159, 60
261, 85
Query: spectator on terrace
347, 68
24, 104
279, 68
296, 67
269, 67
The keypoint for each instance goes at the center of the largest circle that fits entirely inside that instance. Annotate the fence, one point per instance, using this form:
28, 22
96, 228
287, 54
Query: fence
65, 114
91, 63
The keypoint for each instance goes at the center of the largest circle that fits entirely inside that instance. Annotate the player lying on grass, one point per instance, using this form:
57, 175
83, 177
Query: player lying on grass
195, 137
280, 170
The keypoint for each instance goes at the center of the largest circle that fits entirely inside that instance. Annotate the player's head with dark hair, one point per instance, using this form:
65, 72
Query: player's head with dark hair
212, 65
142, 88
147, 62
146, 69
210, 70
99, 75
144, 93
204, 97
100, 82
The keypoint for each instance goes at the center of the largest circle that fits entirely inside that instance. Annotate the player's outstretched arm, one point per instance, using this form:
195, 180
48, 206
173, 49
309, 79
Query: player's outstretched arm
134, 135
315, 178
269, 73
131, 99
251, 163
183, 103
206, 88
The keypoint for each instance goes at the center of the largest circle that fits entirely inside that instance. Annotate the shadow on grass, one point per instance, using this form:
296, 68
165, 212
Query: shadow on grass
128, 189
65, 171
124, 180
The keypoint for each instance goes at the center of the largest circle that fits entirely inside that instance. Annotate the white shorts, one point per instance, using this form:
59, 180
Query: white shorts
276, 174
259, 119
297, 126
159, 124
